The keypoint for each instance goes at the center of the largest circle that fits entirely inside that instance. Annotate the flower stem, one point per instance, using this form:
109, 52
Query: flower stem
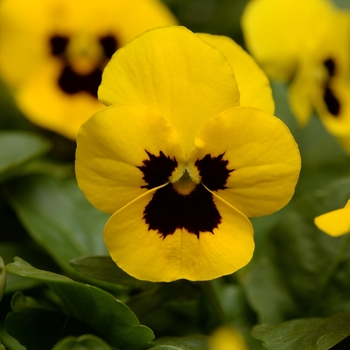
333, 267
213, 301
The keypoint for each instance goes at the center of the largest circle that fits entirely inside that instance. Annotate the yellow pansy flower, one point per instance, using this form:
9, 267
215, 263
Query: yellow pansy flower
227, 338
52, 53
335, 223
305, 43
183, 154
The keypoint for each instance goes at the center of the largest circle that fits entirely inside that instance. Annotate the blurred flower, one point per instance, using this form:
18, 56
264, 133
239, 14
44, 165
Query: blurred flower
305, 43
183, 155
335, 223
52, 52
227, 338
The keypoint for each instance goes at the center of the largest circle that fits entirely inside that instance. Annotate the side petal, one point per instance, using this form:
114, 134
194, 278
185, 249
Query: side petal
337, 123
146, 255
175, 72
301, 91
111, 146
335, 223
253, 84
263, 159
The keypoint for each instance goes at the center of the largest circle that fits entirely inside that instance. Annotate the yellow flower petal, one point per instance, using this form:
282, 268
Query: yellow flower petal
112, 145
261, 153
57, 110
338, 92
301, 92
275, 31
312, 78
227, 338
335, 223
86, 40
175, 72
253, 84
148, 255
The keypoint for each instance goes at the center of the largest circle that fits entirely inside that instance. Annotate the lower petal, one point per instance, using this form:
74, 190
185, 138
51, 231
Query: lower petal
147, 255
47, 105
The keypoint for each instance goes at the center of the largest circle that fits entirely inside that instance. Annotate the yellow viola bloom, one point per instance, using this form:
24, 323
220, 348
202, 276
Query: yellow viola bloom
227, 338
52, 53
335, 223
183, 155
305, 43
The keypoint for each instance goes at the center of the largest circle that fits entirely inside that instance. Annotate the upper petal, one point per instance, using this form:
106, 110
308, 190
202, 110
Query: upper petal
112, 146
336, 222
263, 160
175, 72
147, 255
253, 84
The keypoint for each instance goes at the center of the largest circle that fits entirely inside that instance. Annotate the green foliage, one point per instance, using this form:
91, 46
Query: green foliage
90, 305
305, 334
103, 268
2, 277
184, 343
295, 276
58, 217
84, 342
294, 295
17, 149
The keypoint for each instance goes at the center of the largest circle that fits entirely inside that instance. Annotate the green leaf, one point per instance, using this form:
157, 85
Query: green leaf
92, 306
18, 148
105, 269
2, 277
34, 326
58, 217
193, 342
35, 256
9, 342
290, 279
84, 342
305, 334
145, 303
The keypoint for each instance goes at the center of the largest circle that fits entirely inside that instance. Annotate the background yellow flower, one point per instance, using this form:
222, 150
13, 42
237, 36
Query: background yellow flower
52, 52
306, 44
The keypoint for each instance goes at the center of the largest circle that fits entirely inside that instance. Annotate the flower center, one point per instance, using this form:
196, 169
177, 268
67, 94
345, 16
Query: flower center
83, 60
184, 201
185, 185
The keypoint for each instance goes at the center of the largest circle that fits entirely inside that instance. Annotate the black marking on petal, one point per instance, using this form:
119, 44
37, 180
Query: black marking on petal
168, 210
58, 44
330, 65
213, 171
157, 169
332, 103
71, 82
109, 44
